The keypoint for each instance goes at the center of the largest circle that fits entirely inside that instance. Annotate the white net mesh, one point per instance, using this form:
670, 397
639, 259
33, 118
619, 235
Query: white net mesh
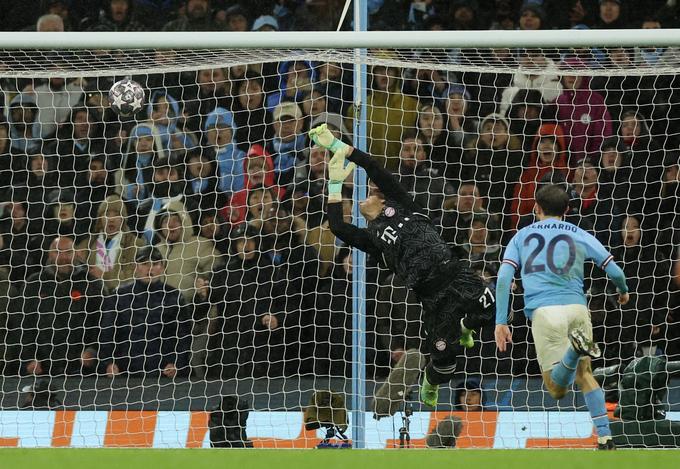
247, 291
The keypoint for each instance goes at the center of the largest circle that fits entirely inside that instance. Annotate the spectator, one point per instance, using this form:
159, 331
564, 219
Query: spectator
164, 114
547, 83
532, 17
213, 228
463, 15
335, 81
493, 161
525, 115
167, 189
88, 198
432, 130
643, 322
24, 133
313, 102
21, 244
198, 18
286, 318
646, 162
469, 396
259, 172
461, 125
117, 15
244, 284
186, 255
397, 322
317, 15
596, 207
50, 23
220, 139
582, 113
60, 219
57, 311
622, 92
236, 19
459, 212
76, 143
289, 145
614, 176
144, 150
202, 178
205, 314
333, 321
213, 90
549, 156
294, 78
6, 168
482, 246
250, 115
39, 190
419, 177
388, 111
54, 101
610, 16
265, 23
145, 326
668, 221
110, 251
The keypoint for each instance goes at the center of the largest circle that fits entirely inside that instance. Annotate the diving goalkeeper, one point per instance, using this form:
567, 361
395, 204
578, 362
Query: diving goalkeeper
455, 300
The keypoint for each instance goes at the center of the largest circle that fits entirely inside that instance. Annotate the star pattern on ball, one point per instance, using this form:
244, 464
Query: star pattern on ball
129, 86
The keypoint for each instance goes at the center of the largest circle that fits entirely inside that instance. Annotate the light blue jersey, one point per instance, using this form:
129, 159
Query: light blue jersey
550, 255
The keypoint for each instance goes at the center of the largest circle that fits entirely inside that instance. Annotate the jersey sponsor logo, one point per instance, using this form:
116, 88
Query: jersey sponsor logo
389, 235
586, 119
390, 211
440, 345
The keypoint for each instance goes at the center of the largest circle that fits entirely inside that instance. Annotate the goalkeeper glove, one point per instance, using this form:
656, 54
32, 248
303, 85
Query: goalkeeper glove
337, 173
324, 138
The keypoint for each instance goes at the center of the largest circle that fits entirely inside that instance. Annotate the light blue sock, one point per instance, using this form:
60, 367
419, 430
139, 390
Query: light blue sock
595, 402
564, 372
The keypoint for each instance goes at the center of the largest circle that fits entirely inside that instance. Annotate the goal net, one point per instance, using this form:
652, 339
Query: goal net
170, 279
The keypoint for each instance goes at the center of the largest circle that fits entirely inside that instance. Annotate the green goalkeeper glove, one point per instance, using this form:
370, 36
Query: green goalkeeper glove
338, 172
324, 138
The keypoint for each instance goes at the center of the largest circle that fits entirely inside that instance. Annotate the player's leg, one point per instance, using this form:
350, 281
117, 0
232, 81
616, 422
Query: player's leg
582, 340
443, 355
594, 397
442, 322
479, 312
550, 328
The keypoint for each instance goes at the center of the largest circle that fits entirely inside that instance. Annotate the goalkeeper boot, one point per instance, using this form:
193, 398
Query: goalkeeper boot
429, 393
605, 443
466, 339
583, 345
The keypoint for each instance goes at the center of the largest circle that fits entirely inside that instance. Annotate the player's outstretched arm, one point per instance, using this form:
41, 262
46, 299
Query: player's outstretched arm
348, 233
386, 182
503, 283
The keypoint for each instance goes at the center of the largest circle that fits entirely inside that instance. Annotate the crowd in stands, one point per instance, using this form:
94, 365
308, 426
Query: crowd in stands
191, 240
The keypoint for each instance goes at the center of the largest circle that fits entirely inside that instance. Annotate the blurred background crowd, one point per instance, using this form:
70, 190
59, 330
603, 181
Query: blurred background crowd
191, 239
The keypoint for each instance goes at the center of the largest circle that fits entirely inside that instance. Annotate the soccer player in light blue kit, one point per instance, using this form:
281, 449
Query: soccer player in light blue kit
551, 254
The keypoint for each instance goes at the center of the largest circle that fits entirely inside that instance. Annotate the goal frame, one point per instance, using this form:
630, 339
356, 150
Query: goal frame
361, 41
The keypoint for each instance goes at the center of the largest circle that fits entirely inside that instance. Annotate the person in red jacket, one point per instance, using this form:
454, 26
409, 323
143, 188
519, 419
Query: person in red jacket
549, 155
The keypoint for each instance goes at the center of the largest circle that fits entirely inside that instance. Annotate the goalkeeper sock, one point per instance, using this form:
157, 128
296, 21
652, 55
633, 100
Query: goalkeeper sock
564, 372
598, 412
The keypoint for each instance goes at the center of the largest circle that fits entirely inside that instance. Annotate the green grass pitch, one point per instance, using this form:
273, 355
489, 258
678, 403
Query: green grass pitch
331, 459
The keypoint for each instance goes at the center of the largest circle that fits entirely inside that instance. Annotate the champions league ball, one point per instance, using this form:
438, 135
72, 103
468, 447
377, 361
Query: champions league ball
126, 97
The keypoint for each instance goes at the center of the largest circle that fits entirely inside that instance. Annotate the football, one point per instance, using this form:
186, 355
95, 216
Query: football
126, 97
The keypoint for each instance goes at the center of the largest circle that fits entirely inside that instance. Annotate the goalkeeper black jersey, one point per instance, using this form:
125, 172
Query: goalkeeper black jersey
402, 237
